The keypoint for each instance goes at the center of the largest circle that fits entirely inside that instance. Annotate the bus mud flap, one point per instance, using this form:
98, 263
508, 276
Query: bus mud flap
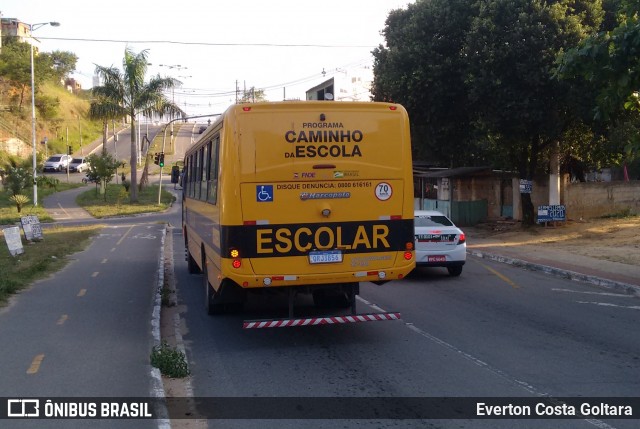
325, 320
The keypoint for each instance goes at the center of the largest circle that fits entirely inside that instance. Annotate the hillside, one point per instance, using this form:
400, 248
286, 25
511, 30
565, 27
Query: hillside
70, 116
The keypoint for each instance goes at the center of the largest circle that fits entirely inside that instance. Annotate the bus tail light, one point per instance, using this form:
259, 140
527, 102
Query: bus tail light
408, 256
236, 259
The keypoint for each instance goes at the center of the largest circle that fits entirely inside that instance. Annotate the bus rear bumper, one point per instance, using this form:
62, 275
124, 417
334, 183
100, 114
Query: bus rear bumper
289, 280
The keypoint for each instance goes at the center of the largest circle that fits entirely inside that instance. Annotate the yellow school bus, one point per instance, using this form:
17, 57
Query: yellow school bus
299, 197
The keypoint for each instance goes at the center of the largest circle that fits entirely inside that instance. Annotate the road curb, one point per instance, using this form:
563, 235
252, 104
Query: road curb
559, 272
157, 386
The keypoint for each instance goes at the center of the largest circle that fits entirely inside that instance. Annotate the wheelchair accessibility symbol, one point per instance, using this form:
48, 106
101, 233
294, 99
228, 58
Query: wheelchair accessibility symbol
264, 193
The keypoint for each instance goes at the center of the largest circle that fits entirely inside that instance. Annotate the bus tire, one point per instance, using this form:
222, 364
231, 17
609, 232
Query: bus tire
212, 306
192, 266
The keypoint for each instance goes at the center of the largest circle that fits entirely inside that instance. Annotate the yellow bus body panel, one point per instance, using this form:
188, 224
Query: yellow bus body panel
301, 178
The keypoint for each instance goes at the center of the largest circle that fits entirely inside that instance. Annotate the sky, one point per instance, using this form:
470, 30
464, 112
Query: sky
281, 46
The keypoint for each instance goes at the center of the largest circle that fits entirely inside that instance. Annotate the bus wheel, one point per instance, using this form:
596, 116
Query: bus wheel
192, 267
211, 303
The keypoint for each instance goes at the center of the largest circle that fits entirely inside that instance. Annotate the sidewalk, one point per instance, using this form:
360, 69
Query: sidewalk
516, 249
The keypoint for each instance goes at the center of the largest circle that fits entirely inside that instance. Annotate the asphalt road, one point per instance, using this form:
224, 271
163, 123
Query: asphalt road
495, 331
86, 330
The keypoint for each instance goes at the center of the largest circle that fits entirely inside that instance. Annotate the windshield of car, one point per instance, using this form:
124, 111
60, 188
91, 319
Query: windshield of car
432, 221
77, 161
54, 159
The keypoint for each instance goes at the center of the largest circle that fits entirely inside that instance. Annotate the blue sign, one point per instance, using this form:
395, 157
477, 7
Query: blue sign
526, 186
264, 193
552, 213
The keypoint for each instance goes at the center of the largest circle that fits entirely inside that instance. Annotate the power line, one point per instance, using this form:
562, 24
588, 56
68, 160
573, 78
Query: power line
174, 42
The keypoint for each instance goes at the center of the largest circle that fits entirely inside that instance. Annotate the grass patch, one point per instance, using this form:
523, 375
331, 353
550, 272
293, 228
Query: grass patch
9, 214
40, 258
117, 201
170, 361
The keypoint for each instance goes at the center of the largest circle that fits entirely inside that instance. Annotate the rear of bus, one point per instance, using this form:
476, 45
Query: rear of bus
321, 196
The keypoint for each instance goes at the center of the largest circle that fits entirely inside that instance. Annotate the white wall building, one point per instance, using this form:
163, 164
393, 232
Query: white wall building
346, 85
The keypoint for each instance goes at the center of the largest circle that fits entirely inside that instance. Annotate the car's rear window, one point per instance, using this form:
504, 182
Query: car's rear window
432, 221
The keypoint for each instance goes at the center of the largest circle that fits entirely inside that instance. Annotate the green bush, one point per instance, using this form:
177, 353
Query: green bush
170, 361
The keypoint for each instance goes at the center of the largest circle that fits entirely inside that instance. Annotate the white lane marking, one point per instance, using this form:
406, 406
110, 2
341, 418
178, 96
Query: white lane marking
526, 386
619, 295
607, 304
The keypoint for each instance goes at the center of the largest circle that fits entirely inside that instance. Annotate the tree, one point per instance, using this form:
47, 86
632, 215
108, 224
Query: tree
422, 68
511, 50
102, 169
128, 91
476, 77
64, 63
104, 107
15, 65
17, 178
609, 62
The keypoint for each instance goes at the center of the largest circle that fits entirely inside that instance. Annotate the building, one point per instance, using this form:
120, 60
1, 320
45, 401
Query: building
72, 85
353, 84
13, 27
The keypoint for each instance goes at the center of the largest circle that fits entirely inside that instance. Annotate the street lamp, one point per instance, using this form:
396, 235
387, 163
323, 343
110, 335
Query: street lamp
32, 28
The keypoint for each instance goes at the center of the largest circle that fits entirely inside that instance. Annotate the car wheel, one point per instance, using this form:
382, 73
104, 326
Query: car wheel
455, 271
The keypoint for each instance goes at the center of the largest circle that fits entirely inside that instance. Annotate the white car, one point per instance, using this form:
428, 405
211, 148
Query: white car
439, 243
78, 165
57, 162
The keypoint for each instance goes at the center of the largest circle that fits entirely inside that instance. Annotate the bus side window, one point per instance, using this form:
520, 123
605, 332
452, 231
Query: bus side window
198, 179
212, 188
185, 178
205, 171
192, 176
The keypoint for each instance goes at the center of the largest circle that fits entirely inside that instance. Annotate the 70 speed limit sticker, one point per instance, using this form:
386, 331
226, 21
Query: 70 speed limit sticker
383, 191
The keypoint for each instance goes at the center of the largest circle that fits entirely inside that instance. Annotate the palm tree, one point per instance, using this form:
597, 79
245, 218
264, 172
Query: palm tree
104, 108
126, 94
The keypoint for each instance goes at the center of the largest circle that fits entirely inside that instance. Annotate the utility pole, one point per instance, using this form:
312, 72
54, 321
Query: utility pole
80, 130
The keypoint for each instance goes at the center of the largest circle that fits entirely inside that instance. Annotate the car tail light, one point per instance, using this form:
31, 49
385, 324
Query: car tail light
462, 238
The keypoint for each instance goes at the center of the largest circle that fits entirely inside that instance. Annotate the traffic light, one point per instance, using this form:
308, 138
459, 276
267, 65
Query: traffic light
156, 159
68, 150
161, 164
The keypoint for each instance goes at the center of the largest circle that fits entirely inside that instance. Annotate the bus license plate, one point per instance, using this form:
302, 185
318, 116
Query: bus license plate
325, 257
